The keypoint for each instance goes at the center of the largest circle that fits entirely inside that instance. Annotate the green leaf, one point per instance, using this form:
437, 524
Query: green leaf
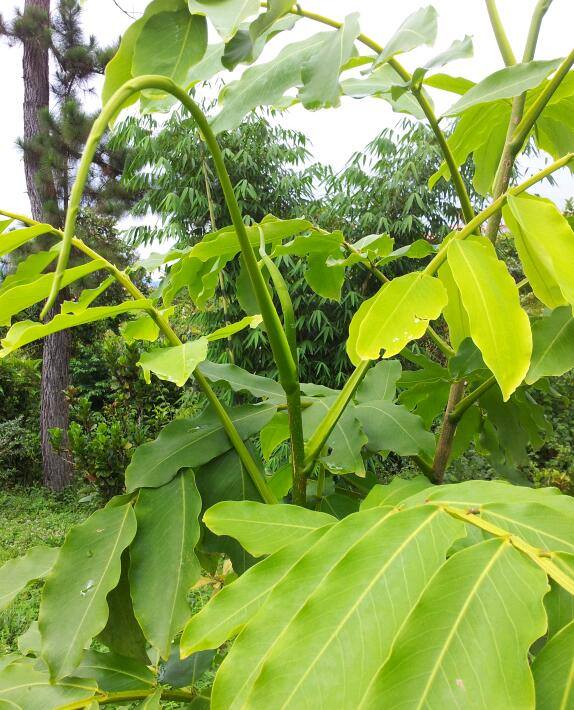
274, 433
380, 382
240, 380
454, 313
505, 84
265, 84
377, 546
169, 44
87, 568
228, 330
152, 701
30, 642
246, 46
225, 15
142, 327
29, 269
559, 606
320, 72
475, 652
9, 241
546, 241
263, 529
398, 313
459, 49
163, 563
445, 82
395, 492
189, 443
418, 29
87, 297
553, 345
174, 364
425, 391
484, 284
391, 427
180, 673
22, 685
16, 574
553, 671
28, 331
22, 296
114, 673
236, 604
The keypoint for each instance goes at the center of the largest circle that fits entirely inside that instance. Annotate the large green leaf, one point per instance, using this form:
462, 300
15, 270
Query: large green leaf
380, 382
504, 84
553, 345
265, 84
263, 529
142, 327
17, 237
26, 687
114, 673
239, 380
163, 563
275, 432
320, 73
398, 313
419, 28
176, 363
553, 670
16, 574
29, 269
226, 15
454, 313
229, 611
247, 44
188, 443
492, 302
391, 427
474, 653
395, 492
20, 297
87, 568
549, 239
28, 331
169, 43
357, 572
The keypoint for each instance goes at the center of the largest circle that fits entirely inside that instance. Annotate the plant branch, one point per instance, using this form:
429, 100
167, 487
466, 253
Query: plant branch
500, 34
171, 336
127, 696
467, 402
447, 432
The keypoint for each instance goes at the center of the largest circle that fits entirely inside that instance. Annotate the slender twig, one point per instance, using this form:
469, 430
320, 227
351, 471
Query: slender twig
127, 696
500, 34
467, 402
171, 336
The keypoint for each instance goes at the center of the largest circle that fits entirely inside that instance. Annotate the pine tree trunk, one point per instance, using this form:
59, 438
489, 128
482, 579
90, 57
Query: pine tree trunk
57, 472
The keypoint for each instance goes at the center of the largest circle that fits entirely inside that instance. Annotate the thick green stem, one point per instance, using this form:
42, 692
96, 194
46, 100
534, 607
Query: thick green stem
467, 402
171, 336
500, 34
128, 696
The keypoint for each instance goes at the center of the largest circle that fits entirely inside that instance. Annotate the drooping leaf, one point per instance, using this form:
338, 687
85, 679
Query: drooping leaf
265, 84
235, 605
275, 432
418, 29
226, 15
378, 547
140, 328
459, 49
240, 380
114, 673
474, 630
398, 313
87, 568
380, 382
16, 574
9, 241
320, 72
28, 269
27, 331
263, 529
454, 312
174, 364
228, 330
553, 345
504, 84
553, 671
87, 297
189, 443
169, 43
164, 566
484, 284
22, 296
391, 427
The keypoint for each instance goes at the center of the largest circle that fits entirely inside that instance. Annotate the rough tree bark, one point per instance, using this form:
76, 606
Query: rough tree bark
57, 472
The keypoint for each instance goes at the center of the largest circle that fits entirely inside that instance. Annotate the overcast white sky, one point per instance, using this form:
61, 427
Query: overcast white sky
335, 134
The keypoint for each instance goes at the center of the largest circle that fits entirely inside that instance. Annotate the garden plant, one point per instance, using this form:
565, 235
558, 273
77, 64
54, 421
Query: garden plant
342, 592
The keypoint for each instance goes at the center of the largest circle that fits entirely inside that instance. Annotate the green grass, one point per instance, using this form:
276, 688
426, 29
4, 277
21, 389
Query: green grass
29, 517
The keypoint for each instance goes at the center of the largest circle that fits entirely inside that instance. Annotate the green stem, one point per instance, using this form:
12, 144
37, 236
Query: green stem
470, 399
329, 421
171, 336
127, 696
500, 34
496, 205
